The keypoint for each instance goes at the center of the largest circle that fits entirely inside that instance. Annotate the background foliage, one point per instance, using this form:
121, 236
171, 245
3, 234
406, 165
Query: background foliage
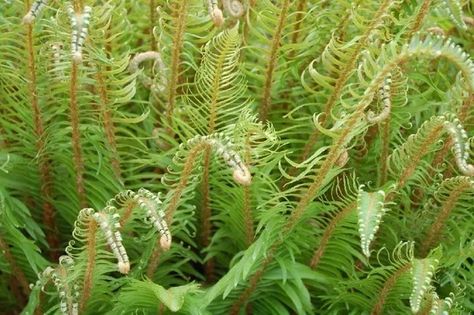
352, 118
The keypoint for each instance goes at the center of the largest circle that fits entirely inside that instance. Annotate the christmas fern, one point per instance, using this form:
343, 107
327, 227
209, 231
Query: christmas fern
236, 157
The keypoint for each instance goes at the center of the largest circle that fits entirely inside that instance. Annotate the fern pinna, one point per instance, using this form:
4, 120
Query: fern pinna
236, 157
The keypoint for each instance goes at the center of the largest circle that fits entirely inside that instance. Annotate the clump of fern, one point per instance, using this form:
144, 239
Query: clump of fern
236, 157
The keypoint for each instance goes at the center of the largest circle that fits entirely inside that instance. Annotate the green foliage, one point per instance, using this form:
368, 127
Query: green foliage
236, 157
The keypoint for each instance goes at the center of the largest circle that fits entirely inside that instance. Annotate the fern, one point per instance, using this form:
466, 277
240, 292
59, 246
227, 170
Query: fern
231, 157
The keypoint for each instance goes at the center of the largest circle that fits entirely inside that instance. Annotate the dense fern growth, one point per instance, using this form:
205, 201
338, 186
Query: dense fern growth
236, 157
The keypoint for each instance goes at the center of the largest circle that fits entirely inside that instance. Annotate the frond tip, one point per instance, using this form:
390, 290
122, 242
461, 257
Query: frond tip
422, 271
222, 146
159, 68
149, 202
370, 209
110, 225
215, 13
385, 96
35, 10
79, 26
460, 146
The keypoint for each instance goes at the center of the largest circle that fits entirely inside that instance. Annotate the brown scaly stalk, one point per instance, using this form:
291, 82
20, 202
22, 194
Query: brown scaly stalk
385, 149
18, 277
300, 7
328, 233
76, 137
108, 124
153, 46
344, 76
272, 60
127, 213
88, 276
206, 211
434, 233
419, 18
175, 62
173, 204
247, 207
43, 160
378, 307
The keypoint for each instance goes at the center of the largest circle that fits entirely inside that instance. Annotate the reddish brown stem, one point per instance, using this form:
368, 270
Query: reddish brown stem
434, 233
76, 138
272, 59
328, 233
108, 124
175, 61
18, 277
49, 220
90, 266
174, 202
378, 307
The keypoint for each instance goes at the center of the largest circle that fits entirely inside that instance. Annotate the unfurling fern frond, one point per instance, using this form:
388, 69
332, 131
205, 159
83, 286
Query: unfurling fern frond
370, 209
422, 271
217, 96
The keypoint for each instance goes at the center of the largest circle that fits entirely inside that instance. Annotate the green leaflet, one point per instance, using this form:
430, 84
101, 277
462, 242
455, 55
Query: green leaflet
441, 306
147, 295
370, 209
422, 272
455, 12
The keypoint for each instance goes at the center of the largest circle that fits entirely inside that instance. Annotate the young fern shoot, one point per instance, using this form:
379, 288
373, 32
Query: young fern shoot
215, 13
68, 292
35, 10
151, 204
233, 8
370, 209
222, 146
422, 271
460, 146
109, 224
159, 68
79, 26
385, 96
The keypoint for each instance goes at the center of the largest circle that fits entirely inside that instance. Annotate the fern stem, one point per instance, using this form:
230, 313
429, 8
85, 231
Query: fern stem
300, 7
206, 210
235, 309
419, 18
344, 76
108, 124
272, 59
330, 228
410, 168
153, 46
78, 5
307, 195
378, 307
175, 62
90, 266
173, 204
385, 149
76, 138
43, 160
127, 213
435, 231
247, 210
17, 274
